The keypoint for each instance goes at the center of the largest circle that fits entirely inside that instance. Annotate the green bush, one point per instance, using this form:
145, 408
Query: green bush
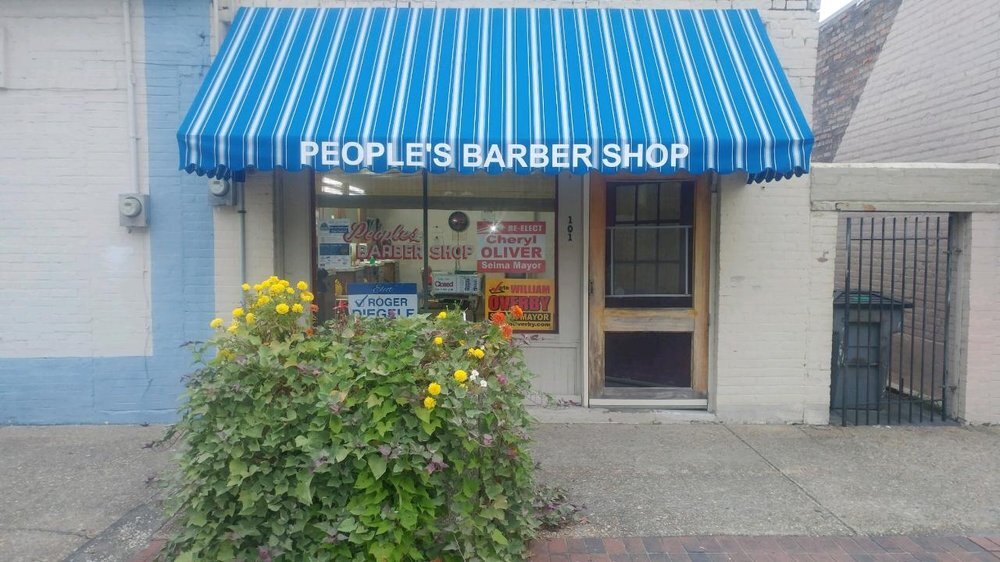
365, 439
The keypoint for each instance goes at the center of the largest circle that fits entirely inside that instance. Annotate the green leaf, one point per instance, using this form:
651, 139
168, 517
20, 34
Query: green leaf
377, 464
197, 518
303, 489
423, 414
238, 468
348, 525
341, 454
498, 536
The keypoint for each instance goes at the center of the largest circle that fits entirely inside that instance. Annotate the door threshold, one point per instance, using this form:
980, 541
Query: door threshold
664, 403
679, 398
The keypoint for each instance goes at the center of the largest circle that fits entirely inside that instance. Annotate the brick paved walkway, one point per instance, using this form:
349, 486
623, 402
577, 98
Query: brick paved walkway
808, 549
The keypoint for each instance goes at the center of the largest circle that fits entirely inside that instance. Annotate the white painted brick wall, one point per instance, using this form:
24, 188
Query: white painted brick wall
259, 243
76, 283
932, 96
774, 314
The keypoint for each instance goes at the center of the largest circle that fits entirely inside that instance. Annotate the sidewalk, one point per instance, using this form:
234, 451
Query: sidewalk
784, 548
718, 492
81, 492
715, 479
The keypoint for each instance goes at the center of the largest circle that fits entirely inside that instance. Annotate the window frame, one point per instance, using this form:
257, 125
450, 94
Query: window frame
684, 220
428, 202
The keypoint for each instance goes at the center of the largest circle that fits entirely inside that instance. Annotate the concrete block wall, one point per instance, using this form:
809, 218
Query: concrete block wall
95, 328
932, 94
976, 318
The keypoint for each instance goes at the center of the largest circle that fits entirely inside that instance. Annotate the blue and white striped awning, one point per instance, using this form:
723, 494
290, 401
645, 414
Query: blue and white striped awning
297, 88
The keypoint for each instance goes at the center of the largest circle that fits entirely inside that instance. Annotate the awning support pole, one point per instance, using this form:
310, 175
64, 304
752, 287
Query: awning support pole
426, 269
241, 193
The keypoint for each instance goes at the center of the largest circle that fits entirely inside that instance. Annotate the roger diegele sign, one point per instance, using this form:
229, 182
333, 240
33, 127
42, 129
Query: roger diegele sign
383, 300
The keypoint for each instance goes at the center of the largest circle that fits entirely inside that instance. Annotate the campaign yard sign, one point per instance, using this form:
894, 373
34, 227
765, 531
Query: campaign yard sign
536, 297
382, 300
511, 247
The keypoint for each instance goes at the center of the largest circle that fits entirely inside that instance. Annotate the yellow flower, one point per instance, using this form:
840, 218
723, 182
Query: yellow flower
275, 289
237, 312
438, 340
245, 286
434, 389
232, 328
461, 375
306, 296
471, 352
264, 299
251, 318
479, 353
282, 308
429, 403
302, 286
442, 315
216, 323
272, 279
258, 287
297, 308
290, 290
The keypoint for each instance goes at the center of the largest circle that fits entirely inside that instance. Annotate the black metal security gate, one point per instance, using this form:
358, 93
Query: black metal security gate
890, 320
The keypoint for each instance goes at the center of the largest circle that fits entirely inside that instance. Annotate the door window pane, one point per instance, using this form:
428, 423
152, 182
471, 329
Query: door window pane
650, 228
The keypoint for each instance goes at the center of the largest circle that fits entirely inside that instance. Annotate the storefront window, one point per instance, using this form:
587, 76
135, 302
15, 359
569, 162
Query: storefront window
489, 243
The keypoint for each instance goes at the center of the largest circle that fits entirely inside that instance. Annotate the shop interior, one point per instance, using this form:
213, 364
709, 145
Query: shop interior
450, 238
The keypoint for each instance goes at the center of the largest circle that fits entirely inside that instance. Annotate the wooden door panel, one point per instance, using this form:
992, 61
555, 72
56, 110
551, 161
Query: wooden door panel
692, 320
649, 320
598, 201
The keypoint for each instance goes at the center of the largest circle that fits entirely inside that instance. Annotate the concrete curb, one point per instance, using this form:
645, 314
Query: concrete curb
118, 543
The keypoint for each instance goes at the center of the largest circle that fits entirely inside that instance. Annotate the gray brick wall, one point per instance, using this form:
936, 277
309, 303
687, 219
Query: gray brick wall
849, 46
932, 95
